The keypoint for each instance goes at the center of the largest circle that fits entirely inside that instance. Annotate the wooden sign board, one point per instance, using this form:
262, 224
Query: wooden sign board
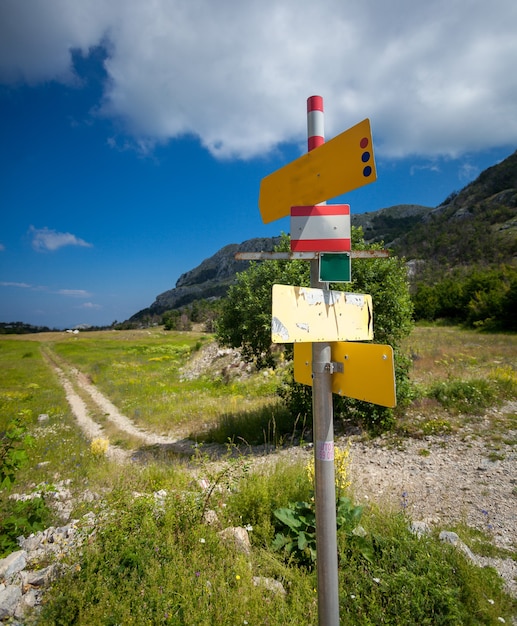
368, 371
316, 315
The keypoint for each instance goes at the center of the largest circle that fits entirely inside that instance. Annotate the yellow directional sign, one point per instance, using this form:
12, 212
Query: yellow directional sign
306, 314
344, 163
368, 371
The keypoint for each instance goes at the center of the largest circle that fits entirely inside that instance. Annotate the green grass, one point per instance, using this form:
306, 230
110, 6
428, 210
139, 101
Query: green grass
272, 425
459, 375
443, 353
142, 376
30, 389
162, 564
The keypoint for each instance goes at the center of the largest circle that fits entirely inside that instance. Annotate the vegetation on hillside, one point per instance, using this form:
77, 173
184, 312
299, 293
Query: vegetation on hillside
21, 328
483, 298
476, 226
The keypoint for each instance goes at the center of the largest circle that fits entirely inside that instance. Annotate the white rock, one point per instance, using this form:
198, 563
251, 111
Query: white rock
270, 584
238, 536
420, 529
9, 598
13, 563
452, 538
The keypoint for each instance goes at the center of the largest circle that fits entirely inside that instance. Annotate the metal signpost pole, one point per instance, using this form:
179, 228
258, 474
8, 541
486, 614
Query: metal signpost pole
323, 434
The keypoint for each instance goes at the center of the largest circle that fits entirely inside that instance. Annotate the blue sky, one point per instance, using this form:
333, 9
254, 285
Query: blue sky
134, 135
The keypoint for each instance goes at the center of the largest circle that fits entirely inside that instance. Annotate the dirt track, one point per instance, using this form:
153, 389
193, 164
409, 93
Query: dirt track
72, 378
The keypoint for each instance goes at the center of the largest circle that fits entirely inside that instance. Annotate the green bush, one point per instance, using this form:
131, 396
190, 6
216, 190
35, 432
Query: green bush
297, 530
13, 455
19, 517
464, 396
484, 298
245, 321
415, 580
261, 493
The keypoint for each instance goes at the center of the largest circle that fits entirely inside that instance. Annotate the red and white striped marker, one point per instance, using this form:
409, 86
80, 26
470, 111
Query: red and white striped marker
320, 228
315, 122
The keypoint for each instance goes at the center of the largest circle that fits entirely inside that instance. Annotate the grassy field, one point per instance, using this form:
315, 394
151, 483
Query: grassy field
141, 374
163, 564
457, 375
443, 353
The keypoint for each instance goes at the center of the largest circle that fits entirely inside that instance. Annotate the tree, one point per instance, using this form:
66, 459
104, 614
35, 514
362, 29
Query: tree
245, 320
245, 316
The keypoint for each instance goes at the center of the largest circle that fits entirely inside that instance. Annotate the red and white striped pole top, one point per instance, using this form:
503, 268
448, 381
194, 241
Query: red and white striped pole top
315, 126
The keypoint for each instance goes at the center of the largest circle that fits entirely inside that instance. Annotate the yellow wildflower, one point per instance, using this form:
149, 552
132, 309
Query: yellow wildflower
341, 465
99, 446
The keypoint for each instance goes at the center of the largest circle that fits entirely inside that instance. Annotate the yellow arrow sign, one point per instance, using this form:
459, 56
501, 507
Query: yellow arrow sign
368, 371
306, 314
336, 167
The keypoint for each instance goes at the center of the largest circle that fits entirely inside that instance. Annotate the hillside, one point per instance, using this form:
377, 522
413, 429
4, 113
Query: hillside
210, 279
390, 224
476, 226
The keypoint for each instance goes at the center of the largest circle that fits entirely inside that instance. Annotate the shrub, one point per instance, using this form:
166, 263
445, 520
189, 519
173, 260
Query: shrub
13, 454
464, 396
19, 517
246, 322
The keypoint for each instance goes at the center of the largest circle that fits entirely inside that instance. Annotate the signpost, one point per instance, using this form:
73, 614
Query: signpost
313, 317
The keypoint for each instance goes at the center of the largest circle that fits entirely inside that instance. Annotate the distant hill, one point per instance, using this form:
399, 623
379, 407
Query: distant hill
475, 226
21, 328
390, 224
210, 279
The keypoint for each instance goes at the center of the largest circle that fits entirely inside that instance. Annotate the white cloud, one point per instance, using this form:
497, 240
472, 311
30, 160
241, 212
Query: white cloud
75, 293
468, 172
20, 285
71, 293
45, 239
2, 247
436, 78
430, 167
91, 306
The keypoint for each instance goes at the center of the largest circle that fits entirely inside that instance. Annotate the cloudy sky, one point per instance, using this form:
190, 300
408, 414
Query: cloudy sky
134, 133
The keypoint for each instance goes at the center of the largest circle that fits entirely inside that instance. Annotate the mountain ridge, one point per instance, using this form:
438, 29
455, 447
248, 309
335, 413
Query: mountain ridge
475, 226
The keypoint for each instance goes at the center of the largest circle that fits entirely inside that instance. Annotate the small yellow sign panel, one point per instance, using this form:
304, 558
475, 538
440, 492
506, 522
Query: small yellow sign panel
368, 371
343, 164
315, 315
